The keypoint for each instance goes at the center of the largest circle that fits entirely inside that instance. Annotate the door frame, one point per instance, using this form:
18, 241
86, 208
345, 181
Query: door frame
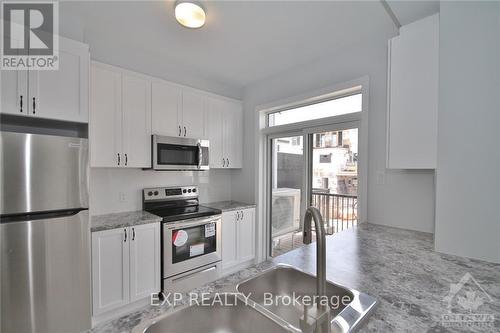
263, 162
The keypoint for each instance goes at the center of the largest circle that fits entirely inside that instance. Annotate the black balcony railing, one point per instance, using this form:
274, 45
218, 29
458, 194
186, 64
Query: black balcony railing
339, 211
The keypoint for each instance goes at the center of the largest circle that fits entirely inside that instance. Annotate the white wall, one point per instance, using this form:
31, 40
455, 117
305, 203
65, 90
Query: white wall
468, 173
406, 200
106, 185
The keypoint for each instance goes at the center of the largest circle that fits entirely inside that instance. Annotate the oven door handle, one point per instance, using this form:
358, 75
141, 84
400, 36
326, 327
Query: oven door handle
183, 224
194, 272
200, 155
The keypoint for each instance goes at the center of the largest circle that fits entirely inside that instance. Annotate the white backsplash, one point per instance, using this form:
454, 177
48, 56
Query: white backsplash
119, 190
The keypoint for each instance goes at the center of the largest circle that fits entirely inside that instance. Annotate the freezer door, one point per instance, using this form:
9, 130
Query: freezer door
45, 275
42, 173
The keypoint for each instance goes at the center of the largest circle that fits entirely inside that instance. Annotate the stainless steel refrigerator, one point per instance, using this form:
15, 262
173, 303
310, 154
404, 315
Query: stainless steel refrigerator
44, 234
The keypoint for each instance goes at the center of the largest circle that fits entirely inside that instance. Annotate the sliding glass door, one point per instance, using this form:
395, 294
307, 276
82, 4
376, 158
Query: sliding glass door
313, 167
287, 191
334, 177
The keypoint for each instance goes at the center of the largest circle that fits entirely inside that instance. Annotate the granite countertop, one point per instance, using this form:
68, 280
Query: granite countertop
229, 205
121, 220
398, 267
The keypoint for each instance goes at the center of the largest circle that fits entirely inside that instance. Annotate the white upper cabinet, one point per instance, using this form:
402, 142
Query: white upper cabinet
166, 109
105, 117
193, 114
136, 109
413, 96
215, 135
127, 107
120, 118
225, 127
177, 111
51, 94
233, 135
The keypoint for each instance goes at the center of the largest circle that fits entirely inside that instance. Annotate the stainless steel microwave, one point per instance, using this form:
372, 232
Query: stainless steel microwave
173, 153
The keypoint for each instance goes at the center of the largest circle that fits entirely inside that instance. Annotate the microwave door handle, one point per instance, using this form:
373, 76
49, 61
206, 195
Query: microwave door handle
200, 155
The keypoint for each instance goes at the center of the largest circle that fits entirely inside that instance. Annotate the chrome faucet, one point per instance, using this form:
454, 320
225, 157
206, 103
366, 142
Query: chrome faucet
314, 214
318, 319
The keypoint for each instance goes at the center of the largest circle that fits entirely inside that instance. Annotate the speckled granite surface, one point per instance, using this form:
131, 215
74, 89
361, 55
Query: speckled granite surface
121, 220
228, 205
398, 267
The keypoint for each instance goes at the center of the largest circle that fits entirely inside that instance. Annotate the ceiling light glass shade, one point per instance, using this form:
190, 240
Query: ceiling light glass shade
190, 14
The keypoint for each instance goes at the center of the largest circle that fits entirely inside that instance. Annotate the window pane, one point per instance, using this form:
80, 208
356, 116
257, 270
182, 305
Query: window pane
334, 107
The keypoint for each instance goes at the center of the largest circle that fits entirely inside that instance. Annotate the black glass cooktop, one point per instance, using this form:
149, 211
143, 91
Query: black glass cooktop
171, 214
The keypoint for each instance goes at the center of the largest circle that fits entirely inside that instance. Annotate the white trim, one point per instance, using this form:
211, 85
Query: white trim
262, 160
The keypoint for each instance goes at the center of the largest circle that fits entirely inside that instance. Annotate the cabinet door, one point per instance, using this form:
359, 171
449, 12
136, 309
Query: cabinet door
214, 129
144, 260
63, 94
105, 128
136, 108
413, 96
14, 92
233, 134
193, 114
229, 240
110, 269
246, 235
166, 109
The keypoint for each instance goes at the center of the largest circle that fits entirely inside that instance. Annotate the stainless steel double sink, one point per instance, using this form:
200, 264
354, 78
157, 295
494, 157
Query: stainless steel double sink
273, 301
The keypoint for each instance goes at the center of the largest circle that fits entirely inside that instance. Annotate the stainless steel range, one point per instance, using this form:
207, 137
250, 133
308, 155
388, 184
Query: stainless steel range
191, 236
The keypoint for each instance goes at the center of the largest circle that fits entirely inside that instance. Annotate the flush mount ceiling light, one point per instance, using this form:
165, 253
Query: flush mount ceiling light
189, 14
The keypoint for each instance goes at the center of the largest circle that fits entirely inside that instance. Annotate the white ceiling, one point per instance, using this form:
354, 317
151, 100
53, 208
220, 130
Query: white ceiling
241, 43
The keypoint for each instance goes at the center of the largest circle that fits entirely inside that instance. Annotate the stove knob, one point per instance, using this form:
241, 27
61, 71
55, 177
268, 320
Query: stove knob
156, 192
184, 191
189, 191
150, 193
194, 190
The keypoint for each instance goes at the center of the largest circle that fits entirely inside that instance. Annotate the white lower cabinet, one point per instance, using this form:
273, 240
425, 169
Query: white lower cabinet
238, 237
125, 266
144, 261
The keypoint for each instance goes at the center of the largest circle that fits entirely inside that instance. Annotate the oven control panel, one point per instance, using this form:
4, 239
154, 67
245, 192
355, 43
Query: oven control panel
170, 193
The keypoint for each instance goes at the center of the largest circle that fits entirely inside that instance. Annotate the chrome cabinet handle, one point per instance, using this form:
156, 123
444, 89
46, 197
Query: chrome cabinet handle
126, 159
133, 233
227, 162
237, 216
125, 230
223, 162
118, 158
34, 105
185, 130
21, 102
180, 131
242, 214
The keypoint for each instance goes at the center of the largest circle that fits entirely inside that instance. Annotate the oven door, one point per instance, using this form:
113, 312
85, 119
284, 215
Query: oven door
190, 244
172, 153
